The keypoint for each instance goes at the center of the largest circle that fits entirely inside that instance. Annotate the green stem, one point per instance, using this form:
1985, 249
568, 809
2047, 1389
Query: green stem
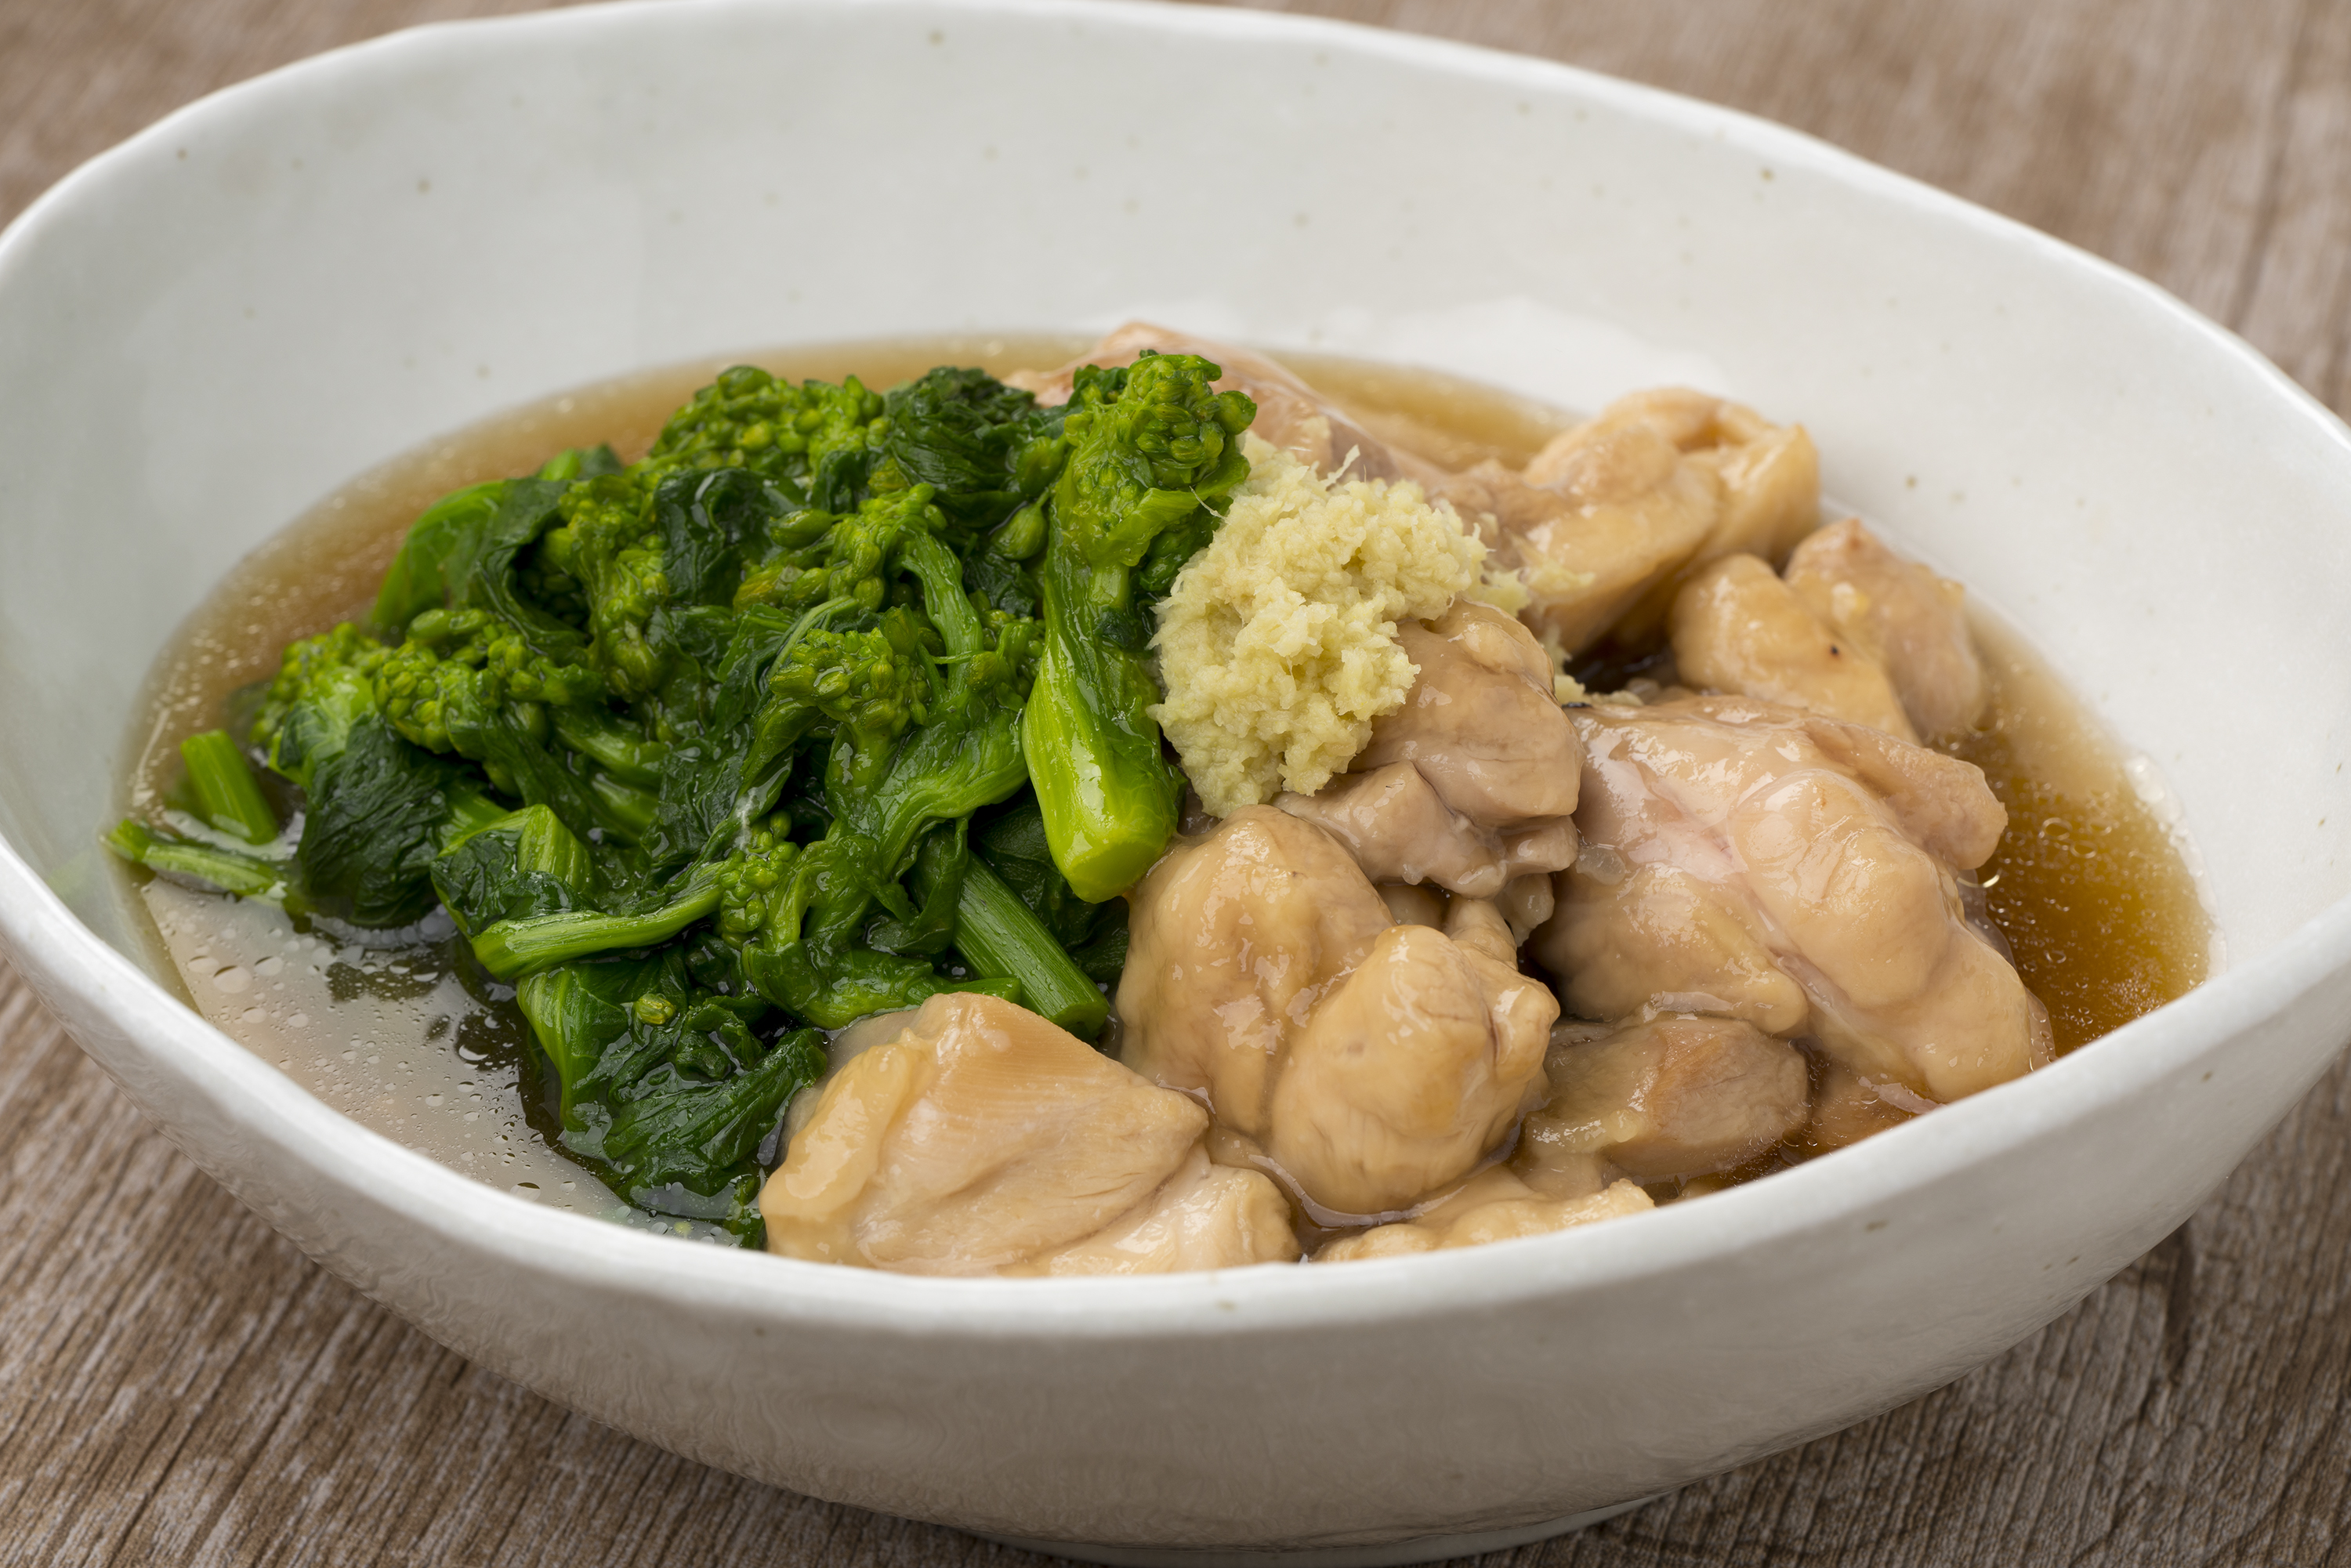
470, 811
224, 868
999, 934
630, 759
1109, 809
626, 812
941, 574
227, 795
514, 948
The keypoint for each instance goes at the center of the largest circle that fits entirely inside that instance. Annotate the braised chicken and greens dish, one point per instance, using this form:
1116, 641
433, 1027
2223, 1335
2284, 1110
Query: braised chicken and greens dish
1149, 815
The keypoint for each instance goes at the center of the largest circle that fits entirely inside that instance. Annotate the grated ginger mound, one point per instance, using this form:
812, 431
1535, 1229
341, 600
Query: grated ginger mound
1277, 642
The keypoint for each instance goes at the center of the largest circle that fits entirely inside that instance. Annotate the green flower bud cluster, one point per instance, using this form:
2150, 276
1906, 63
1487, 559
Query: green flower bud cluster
755, 882
456, 663
345, 652
748, 419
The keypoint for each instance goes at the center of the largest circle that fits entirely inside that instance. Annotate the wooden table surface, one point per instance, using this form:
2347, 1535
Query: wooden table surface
177, 1384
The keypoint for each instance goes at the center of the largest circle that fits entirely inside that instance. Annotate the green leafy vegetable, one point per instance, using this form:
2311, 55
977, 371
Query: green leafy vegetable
1095, 934
1151, 461
832, 702
664, 1087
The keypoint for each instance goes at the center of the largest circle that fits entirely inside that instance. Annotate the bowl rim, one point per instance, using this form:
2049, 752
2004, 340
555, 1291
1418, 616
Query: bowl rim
67, 959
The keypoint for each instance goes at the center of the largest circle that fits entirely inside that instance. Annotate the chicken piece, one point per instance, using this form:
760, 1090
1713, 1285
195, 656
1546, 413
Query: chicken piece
1524, 903
1471, 782
1905, 990
1848, 1110
1667, 1099
1232, 941
1289, 413
1828, 852
1496, 500
1610, 516
1619, 930
1372, 1062
1420, 1063
1637, 511
1737, 628
1770, 473
1527, 901
1481, 722
1550, 1169
1204, 1217
1399, 830
1911, 622
980, 1139
1492, 1206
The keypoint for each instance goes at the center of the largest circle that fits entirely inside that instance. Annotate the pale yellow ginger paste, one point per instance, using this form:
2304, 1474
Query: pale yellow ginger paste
1276, 643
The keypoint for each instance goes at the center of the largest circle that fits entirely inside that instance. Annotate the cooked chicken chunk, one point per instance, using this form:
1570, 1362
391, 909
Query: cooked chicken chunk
1622, 930
1400, 829
1669, 1098
1738, 627
1527, 901
1726, 838
1289, 412
1204, 1217
1372, 1062
1608, 519
1496, 500
1770, 473
1911, 622
980, 1139
1634, 510
1846, 1110
1232, 942
1420, 1063
1471, 782
1492, 1206
1481, 722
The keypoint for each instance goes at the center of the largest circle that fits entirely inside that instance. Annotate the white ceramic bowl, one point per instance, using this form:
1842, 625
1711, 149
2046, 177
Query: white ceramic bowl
207, 328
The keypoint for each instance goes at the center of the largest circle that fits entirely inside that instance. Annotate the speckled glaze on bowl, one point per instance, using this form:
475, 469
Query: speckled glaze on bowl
209, 328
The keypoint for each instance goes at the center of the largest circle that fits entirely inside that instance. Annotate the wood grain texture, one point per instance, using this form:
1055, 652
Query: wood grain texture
178, 1385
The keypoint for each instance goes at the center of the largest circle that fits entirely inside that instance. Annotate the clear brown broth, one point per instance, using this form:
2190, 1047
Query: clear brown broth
2088, 882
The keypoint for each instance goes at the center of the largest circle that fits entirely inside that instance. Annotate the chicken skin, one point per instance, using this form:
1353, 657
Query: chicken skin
1738, 627
1471, 783
1897, 612
1608, 519
977, 1138
1749, 861
1372, 1063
